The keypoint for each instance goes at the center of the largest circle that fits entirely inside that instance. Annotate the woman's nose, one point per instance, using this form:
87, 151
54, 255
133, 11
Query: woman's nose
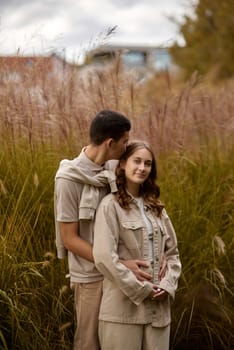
142, 166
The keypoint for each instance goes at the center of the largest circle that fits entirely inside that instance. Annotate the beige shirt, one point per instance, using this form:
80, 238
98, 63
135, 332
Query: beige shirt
68, 196
122, 234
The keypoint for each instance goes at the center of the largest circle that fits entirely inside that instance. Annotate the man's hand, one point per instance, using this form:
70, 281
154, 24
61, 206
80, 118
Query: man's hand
135, 266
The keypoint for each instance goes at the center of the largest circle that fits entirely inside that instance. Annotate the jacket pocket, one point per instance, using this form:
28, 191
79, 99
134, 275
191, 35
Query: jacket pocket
132, 234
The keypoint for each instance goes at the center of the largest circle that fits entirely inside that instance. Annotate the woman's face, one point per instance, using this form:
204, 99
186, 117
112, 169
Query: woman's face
137, 167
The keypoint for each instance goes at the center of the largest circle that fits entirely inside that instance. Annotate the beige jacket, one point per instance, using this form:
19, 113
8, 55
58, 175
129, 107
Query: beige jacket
121, 234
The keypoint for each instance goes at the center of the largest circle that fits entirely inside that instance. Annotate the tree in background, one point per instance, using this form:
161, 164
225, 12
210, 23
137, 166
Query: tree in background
209, 39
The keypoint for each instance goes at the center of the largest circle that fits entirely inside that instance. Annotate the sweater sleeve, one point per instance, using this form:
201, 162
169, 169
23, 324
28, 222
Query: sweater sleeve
105, 251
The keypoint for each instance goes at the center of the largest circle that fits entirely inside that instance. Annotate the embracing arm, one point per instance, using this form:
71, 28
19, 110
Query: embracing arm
73, 243
66, 216
135, 266
82, 248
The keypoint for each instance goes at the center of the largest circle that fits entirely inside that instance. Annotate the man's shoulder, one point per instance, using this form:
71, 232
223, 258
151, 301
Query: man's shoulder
111, 164
80, 160
65, 188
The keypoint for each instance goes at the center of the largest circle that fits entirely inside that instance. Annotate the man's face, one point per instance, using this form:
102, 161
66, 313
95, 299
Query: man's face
119, 147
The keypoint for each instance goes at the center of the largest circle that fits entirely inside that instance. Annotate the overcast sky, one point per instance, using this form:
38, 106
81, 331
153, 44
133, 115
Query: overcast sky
45, 26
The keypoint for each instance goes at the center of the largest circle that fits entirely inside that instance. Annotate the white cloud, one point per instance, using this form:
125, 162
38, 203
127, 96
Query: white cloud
75, 24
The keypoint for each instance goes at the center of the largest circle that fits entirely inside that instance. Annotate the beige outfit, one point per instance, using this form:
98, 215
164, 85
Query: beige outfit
121, 336
80, 185
122, 234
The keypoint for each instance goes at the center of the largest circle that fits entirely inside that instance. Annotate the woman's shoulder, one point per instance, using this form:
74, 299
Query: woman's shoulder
108, 199
109, 205
164, 213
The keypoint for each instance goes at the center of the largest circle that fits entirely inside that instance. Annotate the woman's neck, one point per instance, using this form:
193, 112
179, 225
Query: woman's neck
133, 190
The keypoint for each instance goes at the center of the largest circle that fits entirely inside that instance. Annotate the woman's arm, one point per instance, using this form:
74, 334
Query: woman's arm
170, 281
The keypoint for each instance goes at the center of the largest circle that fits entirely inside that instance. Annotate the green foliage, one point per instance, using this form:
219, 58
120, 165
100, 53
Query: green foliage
191, 130
208, 36
199, 197
35, 299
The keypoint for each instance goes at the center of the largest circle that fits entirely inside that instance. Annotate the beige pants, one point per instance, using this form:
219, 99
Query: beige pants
87, 297
119, 336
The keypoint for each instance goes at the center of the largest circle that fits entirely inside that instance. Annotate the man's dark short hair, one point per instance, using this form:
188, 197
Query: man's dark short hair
108, 124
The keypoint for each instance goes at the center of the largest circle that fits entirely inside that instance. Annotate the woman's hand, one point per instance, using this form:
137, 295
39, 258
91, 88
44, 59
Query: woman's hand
157, 292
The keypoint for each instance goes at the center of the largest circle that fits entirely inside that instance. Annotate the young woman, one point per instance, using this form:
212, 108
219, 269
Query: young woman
133, 224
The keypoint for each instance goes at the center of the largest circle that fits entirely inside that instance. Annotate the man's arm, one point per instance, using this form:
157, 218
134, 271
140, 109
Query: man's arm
73, 242
82, 248
136, 265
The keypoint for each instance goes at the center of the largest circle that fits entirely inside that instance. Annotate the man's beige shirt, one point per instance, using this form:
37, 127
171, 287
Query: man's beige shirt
68, 195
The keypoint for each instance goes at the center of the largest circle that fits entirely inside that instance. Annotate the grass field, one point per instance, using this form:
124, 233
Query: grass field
191, 129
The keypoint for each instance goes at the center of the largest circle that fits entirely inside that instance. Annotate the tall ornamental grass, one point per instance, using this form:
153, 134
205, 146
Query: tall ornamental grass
198, 192
191, 129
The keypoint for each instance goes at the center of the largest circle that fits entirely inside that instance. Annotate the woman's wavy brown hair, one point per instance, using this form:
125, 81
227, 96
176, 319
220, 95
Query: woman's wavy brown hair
149, 190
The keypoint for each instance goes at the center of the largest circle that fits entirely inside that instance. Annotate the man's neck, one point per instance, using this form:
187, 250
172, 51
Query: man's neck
96, 154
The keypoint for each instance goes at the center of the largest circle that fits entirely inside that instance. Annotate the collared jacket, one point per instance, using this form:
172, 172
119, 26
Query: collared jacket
121, 234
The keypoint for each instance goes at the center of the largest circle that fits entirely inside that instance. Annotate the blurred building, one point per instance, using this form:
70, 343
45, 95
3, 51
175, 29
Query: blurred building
145, 60
18, 68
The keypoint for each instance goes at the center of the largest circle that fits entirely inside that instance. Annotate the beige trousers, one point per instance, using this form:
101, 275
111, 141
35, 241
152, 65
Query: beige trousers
119, 336
87, 298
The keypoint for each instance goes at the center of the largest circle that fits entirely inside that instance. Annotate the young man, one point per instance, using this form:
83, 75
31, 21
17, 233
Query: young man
80, 184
